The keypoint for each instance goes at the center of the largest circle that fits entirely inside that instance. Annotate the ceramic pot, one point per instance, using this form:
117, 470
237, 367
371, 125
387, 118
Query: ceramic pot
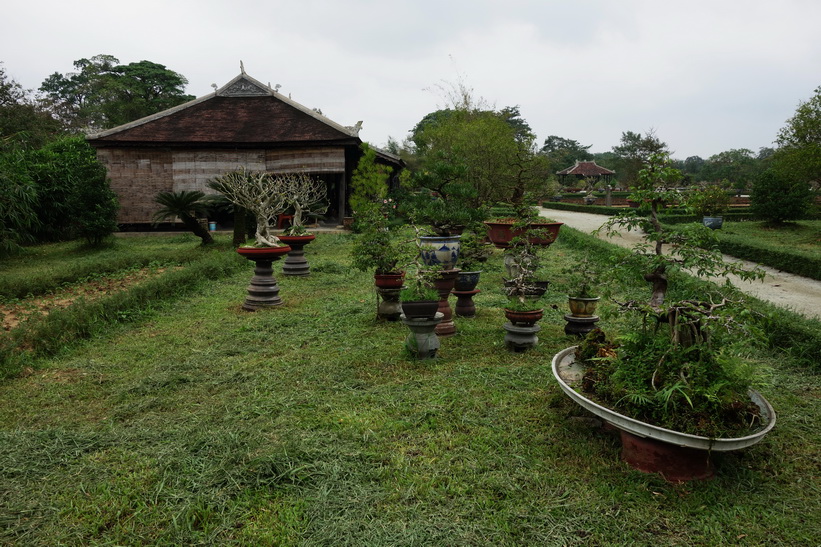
440, 250
467, 281
389, 281
582, 307
713, 223
523, 318
420, 309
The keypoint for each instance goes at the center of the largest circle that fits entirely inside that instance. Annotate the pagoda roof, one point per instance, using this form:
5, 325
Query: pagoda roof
586, 169
244, 112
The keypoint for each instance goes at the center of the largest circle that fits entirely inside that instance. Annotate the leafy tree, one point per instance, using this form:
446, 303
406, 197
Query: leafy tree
185, 205
778, 197
103, 94
95, 208
692, 167
23, 123
634, 153
564, 152
18, 198
737, 166
61, 171
488, 151
799, 152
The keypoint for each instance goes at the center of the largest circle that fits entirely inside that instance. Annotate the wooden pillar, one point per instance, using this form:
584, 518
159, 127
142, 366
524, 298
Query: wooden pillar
342, 189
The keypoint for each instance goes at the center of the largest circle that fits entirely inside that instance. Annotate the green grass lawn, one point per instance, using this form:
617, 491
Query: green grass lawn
802, 237
199, 423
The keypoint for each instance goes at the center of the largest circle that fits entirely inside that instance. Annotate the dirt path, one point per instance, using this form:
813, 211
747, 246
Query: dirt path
799, 294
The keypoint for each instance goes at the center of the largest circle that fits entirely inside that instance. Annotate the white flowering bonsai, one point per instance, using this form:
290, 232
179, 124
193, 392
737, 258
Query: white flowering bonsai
263, 194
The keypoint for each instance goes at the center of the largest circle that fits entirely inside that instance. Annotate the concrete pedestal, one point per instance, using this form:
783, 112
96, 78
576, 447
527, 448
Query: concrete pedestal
389, 308
520, 338
422, 341
263, 292
464, 303
579, 326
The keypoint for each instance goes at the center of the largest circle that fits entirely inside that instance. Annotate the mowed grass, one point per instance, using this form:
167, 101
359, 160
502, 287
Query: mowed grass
309, 424
801, 237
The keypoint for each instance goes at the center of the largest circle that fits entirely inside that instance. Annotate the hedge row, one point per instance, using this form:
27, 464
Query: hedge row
46, 336
779, 258
785, 330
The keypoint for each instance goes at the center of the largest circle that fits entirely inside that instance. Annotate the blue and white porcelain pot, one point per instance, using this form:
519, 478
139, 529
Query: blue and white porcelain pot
440, 250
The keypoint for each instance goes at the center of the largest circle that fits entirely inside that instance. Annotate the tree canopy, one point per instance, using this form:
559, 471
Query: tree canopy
799, 141
491, 151
564, 152
22, 121
102, 94
634, 152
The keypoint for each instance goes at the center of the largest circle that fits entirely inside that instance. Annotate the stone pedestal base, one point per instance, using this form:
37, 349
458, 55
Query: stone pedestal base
295, 262
422, 341
579, 326
464, 303
389, 308
520, 338
263, 292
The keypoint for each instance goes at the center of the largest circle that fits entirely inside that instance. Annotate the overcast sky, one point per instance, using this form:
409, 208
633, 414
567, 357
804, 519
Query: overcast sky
708, 76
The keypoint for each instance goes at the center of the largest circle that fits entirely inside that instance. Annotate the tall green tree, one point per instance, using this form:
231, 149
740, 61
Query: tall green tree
102, 93
799, 142
562, 152
18, 199
73, 192
23, 123
739, 166
486, 150
634, 152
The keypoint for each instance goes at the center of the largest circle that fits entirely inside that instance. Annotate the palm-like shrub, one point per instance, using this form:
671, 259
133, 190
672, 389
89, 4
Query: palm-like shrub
186, 205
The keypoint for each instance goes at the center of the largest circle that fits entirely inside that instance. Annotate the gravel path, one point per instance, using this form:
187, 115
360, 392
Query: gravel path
783, 289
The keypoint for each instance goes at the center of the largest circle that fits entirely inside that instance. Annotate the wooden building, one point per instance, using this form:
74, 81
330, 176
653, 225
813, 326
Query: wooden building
243, 124
586, 170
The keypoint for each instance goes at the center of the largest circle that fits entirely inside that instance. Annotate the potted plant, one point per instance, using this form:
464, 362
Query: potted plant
709, 201
261, 194
524, 292
419, 298
446, 204
679, 364
526, 223
473, 254
304, 196
580, 280
377, 249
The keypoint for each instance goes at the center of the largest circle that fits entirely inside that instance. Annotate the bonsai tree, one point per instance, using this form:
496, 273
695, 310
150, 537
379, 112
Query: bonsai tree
709, 200
185, 205
581, 277
262, 194
473, 252
442, 200
376, 248
306, 196
691, 248
680, 367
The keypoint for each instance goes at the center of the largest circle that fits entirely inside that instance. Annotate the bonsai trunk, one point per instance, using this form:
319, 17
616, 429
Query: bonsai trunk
240, 226
658, 278
197, 229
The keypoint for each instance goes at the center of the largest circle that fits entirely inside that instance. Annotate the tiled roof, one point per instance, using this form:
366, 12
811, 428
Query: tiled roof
586, 169
243, 112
